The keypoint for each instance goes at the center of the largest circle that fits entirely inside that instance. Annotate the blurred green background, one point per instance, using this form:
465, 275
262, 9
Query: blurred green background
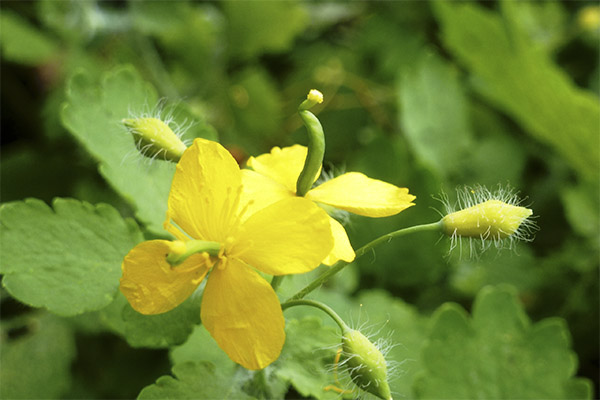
425, 95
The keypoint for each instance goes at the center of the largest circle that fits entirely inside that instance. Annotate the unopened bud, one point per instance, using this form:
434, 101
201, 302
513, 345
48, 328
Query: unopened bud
366, 364
491, 219
154, 138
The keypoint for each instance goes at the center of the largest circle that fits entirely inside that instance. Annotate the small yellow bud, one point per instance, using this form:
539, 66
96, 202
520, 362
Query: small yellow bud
154, 138
492, 219
315, 96
589, 18
366, 364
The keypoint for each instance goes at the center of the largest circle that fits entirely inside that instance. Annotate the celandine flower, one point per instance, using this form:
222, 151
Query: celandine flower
239, 308
273, 177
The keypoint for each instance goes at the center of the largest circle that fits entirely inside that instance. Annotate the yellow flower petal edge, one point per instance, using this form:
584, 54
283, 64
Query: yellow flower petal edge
260, 191
281, 165
289, 237
205, 192
152, 285
242, 313
359, 194
342, 249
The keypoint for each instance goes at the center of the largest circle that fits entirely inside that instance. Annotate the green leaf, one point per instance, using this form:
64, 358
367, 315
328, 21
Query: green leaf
93, 114
67, 260
200, 346
265, 26
195, 381
163, 330
582, 209
498, 353
434, 114
22, 42
308, 356
36, 364
523, 81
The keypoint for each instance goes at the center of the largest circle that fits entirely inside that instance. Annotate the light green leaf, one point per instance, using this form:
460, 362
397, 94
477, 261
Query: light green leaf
263, 26
195, 381
498, 353
36, 364
93, 114
22, 42
308, 357
582, 209
67, 260
434, 114
200, 346
523, 81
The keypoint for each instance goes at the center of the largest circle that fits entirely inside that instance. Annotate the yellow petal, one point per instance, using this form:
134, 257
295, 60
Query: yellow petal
288, 237
242, 313
342, 249
359, 194
152, 285
205, 191
261, 191
282, 165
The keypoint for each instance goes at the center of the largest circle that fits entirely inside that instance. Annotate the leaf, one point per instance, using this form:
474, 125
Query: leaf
200, 346
163, 330
257, 27
93, 114
308, 356
523, 81
195, 381
67, 260
37, 364
497, 353
434, 114
22, 42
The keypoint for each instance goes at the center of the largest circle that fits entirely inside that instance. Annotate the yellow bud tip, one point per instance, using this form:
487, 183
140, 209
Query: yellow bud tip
315, 96
589, 18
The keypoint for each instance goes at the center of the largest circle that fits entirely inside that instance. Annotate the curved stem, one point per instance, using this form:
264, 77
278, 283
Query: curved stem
192, 247
320, 306
338, 266
276, 281
316, 143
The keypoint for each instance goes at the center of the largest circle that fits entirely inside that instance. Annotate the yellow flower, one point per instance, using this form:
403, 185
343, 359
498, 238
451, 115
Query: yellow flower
273, 177
239, 308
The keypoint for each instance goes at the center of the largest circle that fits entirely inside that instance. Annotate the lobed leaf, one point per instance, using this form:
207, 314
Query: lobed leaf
66, 258
498, 353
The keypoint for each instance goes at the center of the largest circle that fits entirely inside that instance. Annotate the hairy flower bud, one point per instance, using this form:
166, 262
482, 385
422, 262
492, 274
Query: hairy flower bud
492, 219
154, 138
366, 364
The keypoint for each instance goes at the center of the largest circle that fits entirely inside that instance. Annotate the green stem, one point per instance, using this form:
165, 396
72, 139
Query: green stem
338, 266
194, 247
320, 306
276, 281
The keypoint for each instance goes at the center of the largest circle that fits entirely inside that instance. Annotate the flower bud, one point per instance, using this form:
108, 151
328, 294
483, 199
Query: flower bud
366, 364
491, 219
154, 138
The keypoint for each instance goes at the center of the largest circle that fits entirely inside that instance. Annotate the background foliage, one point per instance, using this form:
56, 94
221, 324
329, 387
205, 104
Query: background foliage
426, 95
